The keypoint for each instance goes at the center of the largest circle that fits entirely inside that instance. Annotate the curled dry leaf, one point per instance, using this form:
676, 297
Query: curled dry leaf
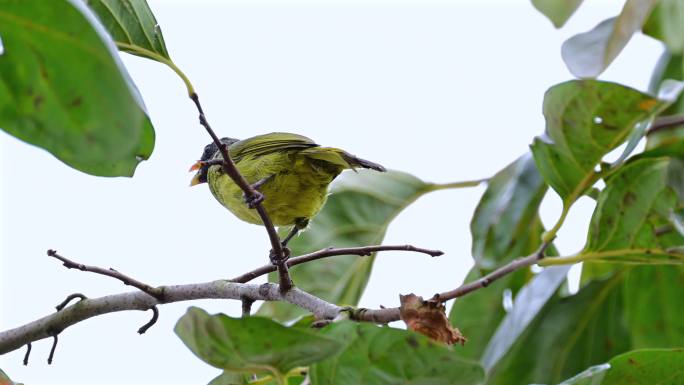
429, 318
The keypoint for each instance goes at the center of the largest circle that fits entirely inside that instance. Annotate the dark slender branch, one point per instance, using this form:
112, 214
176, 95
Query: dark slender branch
279, 257
28, 353
387, 315
331, 252
152, 321
52, 350
665, 122
485, 281
69, 264
69, 299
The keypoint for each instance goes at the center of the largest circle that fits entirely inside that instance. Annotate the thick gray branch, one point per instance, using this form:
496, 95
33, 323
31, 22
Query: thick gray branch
53, 324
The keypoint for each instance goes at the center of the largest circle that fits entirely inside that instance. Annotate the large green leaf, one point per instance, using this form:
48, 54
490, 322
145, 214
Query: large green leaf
638, 201
358, 212
132, 25
528, 303
506, 220
387, 356
252, 344
63, 88
590, 53
557, 11
586, 119
653, 306
567, 336
666, 23
639, 367
505, 226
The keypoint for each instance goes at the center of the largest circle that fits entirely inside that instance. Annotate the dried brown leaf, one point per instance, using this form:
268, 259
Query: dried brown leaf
429, 318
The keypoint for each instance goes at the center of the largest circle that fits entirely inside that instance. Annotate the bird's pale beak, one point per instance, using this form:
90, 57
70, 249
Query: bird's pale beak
196, 179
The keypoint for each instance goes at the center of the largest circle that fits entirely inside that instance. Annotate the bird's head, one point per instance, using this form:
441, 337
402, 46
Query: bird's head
211, 151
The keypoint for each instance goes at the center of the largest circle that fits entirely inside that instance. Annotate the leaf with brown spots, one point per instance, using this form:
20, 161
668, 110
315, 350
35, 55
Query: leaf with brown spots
634, 210
375, 355
585, 120
252, 344
429, 318
638, 367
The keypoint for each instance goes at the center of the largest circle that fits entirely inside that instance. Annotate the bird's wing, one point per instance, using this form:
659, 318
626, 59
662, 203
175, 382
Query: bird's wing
268, 143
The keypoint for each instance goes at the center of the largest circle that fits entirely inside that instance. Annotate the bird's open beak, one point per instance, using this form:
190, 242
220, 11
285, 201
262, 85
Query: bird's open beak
196, 179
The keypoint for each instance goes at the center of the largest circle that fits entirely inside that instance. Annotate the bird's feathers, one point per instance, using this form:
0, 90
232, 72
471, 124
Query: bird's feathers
269, 143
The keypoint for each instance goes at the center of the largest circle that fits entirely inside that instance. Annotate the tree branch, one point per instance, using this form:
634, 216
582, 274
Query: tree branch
55, 323
252, 194
665, 122
331, 252
69, 264
388, 315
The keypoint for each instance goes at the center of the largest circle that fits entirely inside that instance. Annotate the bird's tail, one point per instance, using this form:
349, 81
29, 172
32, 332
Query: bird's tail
340, 158
358, 162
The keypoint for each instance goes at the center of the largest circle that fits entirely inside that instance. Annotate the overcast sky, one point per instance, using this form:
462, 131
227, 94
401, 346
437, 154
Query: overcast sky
445, 90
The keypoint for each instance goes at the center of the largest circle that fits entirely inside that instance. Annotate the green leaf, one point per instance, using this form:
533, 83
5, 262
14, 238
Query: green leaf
638, 201
63, 88
528, 303
586, 119
252, 344
588, 54
132, 25
505, 226
357, 213
387, 356
667, 142
506, 219
666, 23
557, 11
230, 378
639, 367
653, 299
568, 335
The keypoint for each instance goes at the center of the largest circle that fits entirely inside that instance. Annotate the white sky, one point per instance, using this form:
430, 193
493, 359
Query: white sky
446, 90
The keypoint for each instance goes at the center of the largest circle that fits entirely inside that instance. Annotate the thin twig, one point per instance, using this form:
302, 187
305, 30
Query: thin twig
485, 281
152, 321
247, 307
331, 252
69, 264
279, 256
383, 316
28, 353
665, 122
52, 350
69, 299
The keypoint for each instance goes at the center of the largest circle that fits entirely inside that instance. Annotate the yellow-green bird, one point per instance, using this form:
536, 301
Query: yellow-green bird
290, 170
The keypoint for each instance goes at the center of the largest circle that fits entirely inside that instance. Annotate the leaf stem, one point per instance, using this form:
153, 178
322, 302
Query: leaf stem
581, 257
155, 56
454, 185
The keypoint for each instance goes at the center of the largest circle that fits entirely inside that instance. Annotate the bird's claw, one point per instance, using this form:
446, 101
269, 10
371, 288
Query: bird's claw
276, 260
253, 200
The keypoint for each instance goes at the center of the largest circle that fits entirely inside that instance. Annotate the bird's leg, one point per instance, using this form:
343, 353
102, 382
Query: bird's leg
258, 197
300, 224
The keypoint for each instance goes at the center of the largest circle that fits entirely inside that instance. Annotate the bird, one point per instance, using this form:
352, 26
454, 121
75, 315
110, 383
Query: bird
291, 171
